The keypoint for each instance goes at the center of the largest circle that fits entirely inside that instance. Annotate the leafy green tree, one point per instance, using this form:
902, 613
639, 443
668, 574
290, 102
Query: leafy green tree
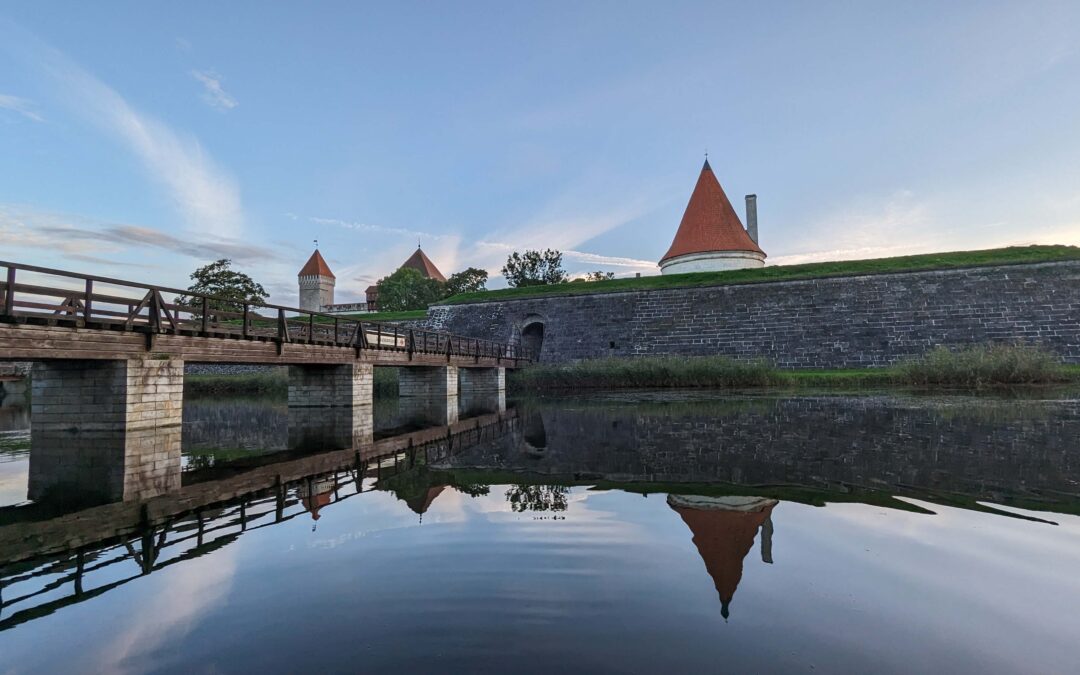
220, 280
408, 289
534, 268
466, 281
599, 276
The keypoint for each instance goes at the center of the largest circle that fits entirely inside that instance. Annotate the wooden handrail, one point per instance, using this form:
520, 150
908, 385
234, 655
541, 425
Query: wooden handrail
150, 311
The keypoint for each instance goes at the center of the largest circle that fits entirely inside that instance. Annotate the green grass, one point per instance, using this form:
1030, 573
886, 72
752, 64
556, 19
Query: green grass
913, 263
646, 372
388, 316
969, 368
983, 365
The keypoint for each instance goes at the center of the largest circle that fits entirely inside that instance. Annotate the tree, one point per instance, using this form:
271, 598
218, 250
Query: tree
408, 289
220, 280
466, 281
599, 276
534, 268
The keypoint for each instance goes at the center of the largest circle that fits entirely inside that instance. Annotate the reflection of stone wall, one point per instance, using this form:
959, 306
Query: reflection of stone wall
831, 442
820, 323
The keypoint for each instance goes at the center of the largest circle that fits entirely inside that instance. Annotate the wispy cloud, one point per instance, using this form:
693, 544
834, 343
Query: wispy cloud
214, 95
76, 236
207, 196
21, 106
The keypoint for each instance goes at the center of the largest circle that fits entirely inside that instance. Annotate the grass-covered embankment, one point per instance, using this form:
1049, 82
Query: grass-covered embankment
969, 368
1014, 255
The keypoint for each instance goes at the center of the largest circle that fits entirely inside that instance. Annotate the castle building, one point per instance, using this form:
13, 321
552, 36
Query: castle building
417, 261
711, 237
316, 284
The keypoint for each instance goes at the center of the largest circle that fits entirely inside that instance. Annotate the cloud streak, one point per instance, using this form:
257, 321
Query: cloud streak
214, 95
206, 196
75, 237
21, 106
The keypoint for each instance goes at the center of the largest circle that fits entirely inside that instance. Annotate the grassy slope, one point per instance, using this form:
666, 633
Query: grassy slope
387, 316
933, 261
973, 367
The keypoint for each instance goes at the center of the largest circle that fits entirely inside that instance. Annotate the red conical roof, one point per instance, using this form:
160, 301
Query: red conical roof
422, 264
316, 266
710, 223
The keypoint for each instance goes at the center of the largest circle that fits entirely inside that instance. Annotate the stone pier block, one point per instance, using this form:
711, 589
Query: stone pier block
105, 430
331, 406
482, 380
428, 394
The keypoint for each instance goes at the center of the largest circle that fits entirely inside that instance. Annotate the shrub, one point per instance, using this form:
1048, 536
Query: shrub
983, 365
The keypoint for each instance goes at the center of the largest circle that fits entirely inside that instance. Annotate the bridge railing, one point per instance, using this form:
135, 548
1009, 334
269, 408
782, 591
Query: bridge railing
39, 295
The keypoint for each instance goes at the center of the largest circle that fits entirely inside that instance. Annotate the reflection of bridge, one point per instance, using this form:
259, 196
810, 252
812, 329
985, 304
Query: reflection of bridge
126, 540
109, 361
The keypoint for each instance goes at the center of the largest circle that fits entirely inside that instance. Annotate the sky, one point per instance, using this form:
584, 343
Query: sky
142, 140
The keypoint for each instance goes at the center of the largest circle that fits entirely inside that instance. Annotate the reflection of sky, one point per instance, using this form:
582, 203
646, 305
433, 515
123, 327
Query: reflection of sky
616, 586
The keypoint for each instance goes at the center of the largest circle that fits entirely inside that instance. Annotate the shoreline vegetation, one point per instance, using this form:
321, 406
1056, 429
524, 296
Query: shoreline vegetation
978, 367
1013, 255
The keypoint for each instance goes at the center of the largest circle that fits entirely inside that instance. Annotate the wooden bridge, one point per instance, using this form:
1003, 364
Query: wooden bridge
109, 359
53, 314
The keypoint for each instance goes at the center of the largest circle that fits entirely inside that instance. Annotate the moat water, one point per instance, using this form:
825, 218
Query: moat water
616, 533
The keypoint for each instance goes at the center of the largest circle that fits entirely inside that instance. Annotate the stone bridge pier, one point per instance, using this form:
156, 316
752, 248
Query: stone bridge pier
105, 430
428, 395
331, 406
482, 390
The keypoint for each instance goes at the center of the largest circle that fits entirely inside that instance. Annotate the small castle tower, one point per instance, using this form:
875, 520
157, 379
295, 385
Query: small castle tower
316, 284
711, 237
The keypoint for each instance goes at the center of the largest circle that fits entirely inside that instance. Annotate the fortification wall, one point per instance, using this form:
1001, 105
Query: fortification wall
838, 322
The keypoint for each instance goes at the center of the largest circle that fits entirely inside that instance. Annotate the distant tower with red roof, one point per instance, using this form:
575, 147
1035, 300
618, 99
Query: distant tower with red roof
316, 284
711, 237
417, 261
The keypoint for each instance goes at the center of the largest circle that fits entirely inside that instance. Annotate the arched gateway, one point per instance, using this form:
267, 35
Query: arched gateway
532, 335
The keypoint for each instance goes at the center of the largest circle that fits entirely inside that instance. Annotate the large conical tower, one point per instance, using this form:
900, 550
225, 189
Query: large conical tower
711, 237
316, 284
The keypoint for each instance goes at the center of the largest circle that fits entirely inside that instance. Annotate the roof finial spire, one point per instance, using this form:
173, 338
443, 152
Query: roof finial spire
418, 242
706, 160
316, 244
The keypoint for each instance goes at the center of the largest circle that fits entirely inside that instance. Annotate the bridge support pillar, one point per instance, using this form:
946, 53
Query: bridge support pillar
105, 430
428, 394
331, 406
483, 390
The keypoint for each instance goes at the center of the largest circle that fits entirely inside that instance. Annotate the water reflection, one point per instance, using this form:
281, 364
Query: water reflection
723, 531
531, 521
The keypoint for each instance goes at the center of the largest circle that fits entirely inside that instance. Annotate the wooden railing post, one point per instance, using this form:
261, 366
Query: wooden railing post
244, 329
155, 312
88, 301
205, 314
410, 343
9, 294
310, 328
335, 330
378, 336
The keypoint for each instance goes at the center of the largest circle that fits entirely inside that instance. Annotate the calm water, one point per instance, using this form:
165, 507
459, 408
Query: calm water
615, 533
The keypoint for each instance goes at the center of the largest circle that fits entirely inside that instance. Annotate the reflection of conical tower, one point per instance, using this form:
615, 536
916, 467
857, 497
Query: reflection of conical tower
315, 494
422, 503
724, 529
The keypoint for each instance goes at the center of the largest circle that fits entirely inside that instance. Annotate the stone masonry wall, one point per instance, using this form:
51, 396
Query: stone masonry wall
107, 428
871, 320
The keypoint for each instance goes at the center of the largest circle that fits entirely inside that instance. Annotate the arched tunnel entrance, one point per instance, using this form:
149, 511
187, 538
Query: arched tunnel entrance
532, 336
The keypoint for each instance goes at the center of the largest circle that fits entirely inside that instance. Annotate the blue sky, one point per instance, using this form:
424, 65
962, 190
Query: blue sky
141, 140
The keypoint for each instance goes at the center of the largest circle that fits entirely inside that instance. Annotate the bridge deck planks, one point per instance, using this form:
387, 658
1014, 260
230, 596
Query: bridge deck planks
24, 342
